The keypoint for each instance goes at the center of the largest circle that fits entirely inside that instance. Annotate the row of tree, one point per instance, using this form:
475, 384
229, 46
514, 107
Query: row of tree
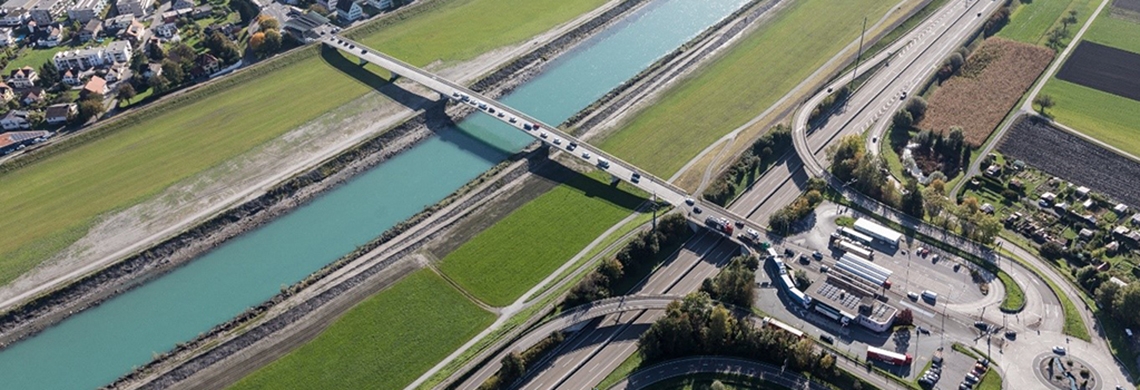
751, 163
514, 365
638, 255
736, 283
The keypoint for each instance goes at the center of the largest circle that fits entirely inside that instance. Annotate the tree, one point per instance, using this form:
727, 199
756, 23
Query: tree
996, 21
902, 120
1044, 101
1071, 18
1127, 303
89, 108
917, 107
272, 42
268, 23
904, 317
159, 84
126, 92
172, 71
183, 53
49, 74
912, 200
257, 40
1106, 295
1052, 250
223, 47
511, 368
1057, 38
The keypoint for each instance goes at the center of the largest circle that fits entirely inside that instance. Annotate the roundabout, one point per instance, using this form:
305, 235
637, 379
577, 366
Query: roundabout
1062, 371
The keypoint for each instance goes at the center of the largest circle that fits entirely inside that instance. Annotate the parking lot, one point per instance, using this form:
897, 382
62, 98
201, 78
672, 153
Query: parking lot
947, 276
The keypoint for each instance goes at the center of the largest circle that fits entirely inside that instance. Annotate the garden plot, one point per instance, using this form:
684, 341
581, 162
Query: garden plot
1035, 142
1104, 68
987, 86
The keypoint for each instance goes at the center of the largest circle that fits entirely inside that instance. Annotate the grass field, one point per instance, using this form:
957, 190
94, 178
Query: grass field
1112, 31
51, 203
1101, 115
384, 342
736, 87
1031, 22
990, 381
502, 262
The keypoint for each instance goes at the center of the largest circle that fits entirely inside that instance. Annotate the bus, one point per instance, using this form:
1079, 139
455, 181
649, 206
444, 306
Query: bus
888, 357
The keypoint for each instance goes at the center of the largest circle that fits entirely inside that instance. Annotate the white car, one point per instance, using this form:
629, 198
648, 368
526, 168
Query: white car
542, 134
513, 119
558, 141
586, 155
1059, 350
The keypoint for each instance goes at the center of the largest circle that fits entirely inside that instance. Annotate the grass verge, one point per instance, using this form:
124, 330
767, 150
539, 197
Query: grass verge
1014, 300
51, 201
749, 77
990, 381
384, 342
631, 364
497, 268
1074, 324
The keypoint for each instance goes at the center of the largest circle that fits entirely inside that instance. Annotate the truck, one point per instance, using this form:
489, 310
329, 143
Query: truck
719, 224
888, 357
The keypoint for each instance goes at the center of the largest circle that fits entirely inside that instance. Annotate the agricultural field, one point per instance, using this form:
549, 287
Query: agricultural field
514, 254
1101, 115
1031, 21
50, 204
748, 78
384, 342
1111, 29
991, 82
1062, 154
1104, 68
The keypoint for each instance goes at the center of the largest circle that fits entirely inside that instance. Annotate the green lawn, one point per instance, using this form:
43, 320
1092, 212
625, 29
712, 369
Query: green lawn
51, 203
1014, 300
384, 342
751, 76
990, 381
1101, 115
1031, 22
510, 257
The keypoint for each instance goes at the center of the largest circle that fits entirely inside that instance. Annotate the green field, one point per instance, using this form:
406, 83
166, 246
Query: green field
510, 257
1101, 115
990, 381
1031, 22
384, 342
1112, 31
751, 76
51, 203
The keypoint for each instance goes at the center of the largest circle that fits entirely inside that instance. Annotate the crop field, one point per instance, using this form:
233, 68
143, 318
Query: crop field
51, 203
1111, 30
990, 83
384, 342
1101, 115
748, 78
1072, 158
1030, 22
1127, 5
1104, 68
514, 254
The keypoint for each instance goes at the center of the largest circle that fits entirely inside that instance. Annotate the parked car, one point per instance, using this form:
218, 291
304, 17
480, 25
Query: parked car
1059, 350
817, 255
690, 201
912, 295
827, 339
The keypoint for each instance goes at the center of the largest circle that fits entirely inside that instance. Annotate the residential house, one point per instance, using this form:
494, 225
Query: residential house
13, 17
84, 11
380, 4
71, 78
227, 29
153, 70
91, 30
33, 96
52, 38
25, 77
166, 30
17, 140
307, 26
118, 23
6, 93
16, 119
60, 113
202, 11
349, 10
138, 8
96, 57
135, 33
95, 86
5, 36
182, 4
45, 12
116, 73
173, 16
206, 65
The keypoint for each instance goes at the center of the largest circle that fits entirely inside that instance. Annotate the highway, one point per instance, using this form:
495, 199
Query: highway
595, 351
546, 133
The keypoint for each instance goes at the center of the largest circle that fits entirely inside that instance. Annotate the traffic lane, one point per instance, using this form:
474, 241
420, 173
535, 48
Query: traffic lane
673, 269
724, 365
679, 280
772, 178
609, 357
555, 369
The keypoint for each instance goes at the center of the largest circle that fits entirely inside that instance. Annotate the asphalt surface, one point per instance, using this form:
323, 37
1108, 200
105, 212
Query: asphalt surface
715, 365
595, 351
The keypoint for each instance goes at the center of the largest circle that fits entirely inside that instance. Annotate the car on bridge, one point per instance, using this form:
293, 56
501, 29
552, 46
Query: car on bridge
636, 177
571, 146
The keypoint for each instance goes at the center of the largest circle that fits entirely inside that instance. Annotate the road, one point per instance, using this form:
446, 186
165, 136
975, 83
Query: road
546, 133
719, 365
594, 352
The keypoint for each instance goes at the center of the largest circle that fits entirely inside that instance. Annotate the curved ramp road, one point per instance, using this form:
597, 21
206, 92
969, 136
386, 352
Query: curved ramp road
715, 365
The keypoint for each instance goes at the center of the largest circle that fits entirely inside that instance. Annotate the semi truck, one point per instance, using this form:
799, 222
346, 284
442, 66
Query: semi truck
719, 224
888, 357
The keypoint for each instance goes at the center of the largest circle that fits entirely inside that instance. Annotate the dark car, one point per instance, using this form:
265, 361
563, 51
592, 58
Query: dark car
572, 146
827, 339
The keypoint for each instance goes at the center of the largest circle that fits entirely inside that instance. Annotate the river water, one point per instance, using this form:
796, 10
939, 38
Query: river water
97, 346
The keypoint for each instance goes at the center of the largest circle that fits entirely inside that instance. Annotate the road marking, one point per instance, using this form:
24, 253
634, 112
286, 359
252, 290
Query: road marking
916, 309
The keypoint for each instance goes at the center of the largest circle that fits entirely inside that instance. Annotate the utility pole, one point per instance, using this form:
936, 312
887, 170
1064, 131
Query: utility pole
858, 54
654, 206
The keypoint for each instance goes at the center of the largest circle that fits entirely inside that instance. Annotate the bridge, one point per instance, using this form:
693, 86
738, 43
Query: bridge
594, 310
546, 133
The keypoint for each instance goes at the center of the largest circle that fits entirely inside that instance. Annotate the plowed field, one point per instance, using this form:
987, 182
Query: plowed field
986, 88
1104, 68
1072, 158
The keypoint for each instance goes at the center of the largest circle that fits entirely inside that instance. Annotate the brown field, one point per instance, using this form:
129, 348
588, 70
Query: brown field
1104, 68
991, 82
